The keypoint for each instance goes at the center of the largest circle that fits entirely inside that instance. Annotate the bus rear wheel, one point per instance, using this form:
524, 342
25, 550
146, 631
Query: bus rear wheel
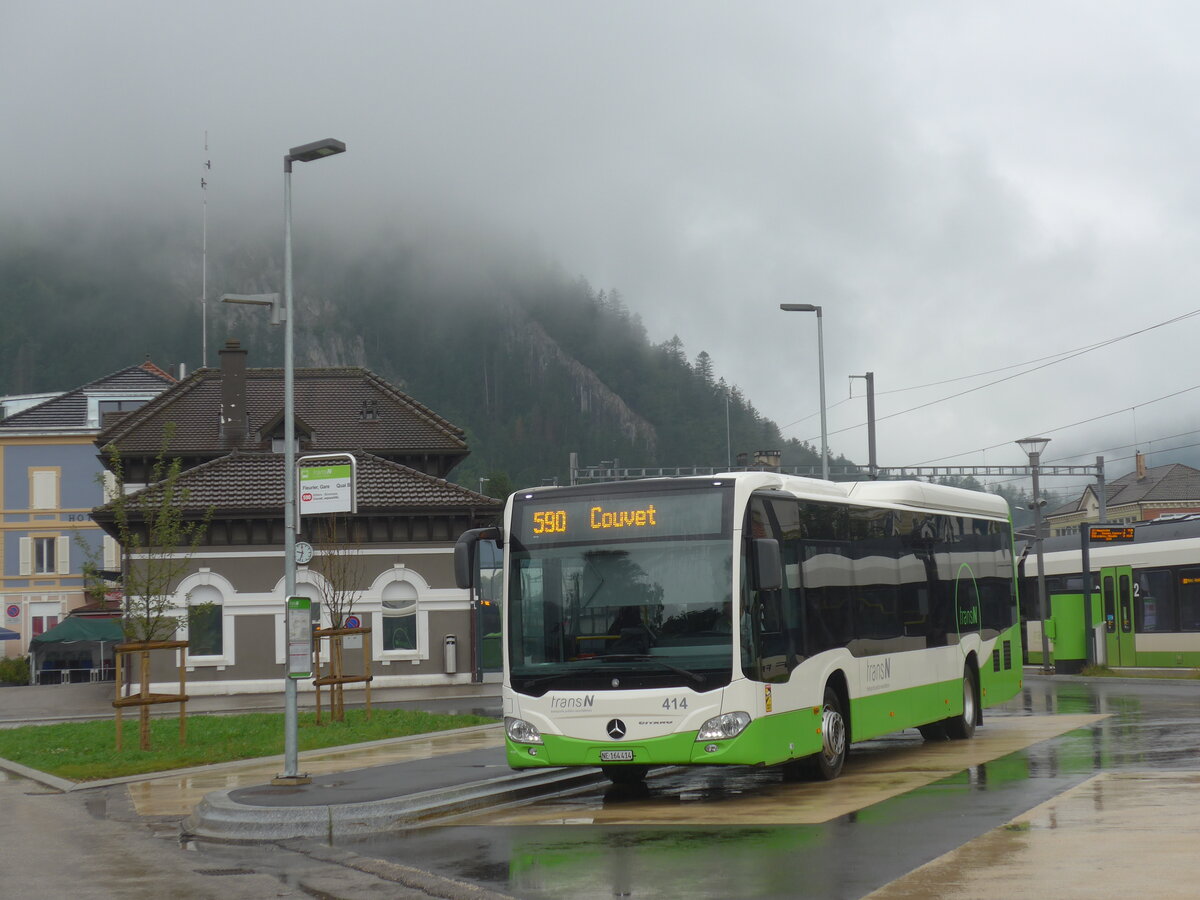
827, 764
961, 728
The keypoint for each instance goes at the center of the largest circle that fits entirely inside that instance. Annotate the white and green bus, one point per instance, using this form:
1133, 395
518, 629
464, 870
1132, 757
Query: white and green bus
748, 618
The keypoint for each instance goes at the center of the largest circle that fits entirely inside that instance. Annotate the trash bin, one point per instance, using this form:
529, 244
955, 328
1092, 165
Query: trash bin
450, 652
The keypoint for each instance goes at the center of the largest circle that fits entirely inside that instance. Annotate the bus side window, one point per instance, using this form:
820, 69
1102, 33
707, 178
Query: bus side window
770, 659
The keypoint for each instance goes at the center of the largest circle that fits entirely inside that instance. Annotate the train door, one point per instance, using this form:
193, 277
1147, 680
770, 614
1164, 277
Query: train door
1116, 591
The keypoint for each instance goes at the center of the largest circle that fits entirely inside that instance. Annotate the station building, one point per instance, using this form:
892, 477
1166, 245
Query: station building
226, 425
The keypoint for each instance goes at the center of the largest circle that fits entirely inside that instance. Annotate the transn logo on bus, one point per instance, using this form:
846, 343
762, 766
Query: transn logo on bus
561, 703
879, 672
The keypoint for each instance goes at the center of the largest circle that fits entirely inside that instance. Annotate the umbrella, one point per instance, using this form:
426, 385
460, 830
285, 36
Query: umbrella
7, 634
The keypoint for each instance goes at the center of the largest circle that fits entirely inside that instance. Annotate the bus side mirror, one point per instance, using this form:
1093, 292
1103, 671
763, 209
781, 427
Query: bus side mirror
768, 565
464, 553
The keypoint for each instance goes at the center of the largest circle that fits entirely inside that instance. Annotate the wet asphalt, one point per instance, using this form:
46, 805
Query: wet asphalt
1148, 725
701, 846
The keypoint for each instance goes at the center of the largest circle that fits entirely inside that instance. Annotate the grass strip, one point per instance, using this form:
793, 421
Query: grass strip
86, 751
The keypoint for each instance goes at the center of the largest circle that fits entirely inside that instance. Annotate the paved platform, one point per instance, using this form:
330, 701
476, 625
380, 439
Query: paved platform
463, 772
1113, 832
1118, 834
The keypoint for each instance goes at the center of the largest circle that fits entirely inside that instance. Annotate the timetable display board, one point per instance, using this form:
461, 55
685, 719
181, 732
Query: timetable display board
1110, 534
629, 517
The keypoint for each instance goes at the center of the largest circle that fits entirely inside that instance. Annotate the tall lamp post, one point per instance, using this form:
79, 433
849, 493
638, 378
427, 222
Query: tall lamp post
808, 307
305, 153
872, 462
1033, 446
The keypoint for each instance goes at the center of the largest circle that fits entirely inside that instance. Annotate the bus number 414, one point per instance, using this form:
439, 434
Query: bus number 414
675, 703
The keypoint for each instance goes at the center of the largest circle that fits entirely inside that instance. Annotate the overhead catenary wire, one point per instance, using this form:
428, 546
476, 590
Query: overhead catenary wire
1034, 366
1059, 428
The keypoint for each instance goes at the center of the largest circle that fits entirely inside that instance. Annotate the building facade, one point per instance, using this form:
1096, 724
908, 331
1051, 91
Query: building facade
1143, 495
394, 554
48, 485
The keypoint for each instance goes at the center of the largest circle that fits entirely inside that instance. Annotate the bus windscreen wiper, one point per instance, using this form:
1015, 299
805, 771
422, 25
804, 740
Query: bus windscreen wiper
638, 657
532, 682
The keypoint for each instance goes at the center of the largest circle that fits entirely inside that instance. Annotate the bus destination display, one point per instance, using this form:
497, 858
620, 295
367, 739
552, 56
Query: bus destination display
1110, 534
630, 517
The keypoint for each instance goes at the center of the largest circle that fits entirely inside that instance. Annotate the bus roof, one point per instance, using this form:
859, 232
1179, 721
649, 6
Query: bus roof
910, 494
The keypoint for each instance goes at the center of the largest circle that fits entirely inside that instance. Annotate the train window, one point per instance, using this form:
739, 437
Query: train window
1189, 599
1154, 596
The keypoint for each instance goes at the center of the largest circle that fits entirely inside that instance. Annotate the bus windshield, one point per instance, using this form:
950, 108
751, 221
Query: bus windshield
623, 592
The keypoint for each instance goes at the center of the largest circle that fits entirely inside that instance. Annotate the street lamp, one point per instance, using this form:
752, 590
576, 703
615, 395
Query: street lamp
285, 315
1033, 447
278, 313
808, 307
872, 464
304, 153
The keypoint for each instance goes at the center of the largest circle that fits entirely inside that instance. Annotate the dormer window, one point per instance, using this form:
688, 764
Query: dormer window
369, 412
102, 413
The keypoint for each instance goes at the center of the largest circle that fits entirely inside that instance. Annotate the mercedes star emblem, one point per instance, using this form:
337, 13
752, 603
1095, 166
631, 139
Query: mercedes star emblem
616, 729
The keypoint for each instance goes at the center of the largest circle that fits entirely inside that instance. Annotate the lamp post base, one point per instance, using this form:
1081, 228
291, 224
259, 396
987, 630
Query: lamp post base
290, 780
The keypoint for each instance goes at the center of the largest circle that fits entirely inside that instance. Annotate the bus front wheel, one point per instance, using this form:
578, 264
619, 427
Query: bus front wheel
827, 764
961, 728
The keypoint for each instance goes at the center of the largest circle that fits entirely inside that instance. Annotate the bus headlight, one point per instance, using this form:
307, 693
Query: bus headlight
724, 727
521, 732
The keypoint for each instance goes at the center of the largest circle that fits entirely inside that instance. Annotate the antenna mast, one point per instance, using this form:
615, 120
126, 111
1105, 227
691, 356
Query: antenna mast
204, 262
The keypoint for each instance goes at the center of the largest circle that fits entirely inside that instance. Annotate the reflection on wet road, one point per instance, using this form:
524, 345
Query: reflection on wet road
876, 771
901, 805
1115, 835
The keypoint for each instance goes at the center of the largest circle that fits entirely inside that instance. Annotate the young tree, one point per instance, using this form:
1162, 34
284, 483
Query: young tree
157, 540
339, 562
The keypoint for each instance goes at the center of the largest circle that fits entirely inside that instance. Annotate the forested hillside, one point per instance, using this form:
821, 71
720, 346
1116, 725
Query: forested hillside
535, 363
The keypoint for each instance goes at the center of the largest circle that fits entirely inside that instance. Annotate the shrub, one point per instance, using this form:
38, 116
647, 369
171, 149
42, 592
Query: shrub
14, 670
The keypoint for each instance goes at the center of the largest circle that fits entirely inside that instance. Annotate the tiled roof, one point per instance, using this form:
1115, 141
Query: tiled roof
328, 400
253, 483
70, 410
1173, 482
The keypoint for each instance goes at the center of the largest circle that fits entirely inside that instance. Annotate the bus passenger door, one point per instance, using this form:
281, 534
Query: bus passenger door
1116, 592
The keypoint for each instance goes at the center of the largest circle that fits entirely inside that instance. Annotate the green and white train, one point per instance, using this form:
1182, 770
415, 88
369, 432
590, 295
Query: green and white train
748, 618
1146, 597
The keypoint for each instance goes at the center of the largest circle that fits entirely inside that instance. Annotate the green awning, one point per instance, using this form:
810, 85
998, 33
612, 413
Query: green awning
78, 628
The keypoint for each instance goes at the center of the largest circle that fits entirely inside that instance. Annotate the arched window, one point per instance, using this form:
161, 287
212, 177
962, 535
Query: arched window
399, 616
206, 626
320, 615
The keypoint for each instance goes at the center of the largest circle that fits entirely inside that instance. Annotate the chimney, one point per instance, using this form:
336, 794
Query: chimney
767, 459
1141, 464
234, 424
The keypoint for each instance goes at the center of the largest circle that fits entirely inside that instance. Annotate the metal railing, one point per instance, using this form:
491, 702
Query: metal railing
73, 675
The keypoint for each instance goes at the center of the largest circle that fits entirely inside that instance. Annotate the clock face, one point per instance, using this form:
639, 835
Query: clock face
304, 552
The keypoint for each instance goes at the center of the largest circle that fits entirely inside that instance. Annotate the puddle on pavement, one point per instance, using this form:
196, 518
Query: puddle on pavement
875, 771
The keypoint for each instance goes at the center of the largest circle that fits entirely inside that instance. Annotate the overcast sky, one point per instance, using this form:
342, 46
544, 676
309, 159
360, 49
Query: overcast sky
961, 186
